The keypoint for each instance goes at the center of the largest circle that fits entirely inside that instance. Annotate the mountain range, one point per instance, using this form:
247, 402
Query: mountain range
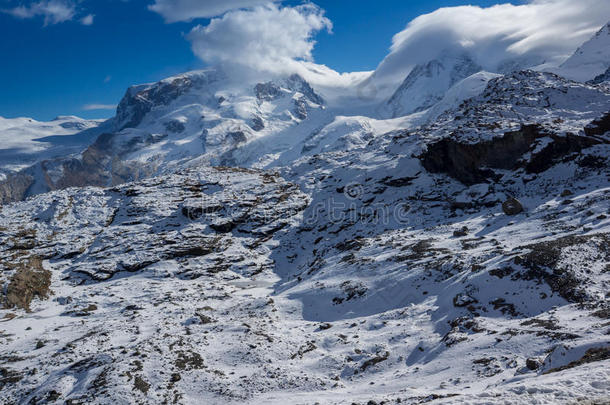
257, 241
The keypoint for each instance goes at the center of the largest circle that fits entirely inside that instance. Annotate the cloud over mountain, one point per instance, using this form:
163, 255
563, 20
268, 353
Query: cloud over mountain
496, 35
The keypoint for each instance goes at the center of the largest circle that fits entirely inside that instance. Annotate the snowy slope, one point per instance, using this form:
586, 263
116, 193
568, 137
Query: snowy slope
24, 141
463, 90
590, 60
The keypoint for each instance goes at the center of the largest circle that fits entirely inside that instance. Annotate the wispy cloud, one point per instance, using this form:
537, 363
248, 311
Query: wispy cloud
53, 11
90, 107
537, 32
187, 10
87, 20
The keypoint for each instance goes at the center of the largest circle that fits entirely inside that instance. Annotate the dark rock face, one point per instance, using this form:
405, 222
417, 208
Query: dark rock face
257, 124
267, 91
472, 163
300, 108
15, 187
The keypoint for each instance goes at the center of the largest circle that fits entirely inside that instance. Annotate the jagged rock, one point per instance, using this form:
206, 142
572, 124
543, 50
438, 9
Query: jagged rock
267, 91
512, 206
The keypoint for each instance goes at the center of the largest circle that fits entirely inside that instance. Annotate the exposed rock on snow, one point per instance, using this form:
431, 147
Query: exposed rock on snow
512, 206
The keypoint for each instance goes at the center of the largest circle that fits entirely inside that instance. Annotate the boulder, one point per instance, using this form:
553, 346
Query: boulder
512, 206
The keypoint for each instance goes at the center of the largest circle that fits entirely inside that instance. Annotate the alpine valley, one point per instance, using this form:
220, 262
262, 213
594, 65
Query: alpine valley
276, 241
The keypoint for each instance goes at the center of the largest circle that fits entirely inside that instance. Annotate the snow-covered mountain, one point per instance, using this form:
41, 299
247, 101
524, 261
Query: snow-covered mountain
427, 84
590, 60
253, 242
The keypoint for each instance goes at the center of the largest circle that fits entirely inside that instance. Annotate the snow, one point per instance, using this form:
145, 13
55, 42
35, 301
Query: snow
24, 141
590, 60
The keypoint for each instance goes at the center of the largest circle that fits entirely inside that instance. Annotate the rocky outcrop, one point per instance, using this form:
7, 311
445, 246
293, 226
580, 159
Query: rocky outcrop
14, 187
473, 163
599, 126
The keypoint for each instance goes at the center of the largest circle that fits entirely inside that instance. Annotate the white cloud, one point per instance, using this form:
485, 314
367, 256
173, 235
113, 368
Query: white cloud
90, 107
542, 31
53, 11
187, 10
266, 38
87, 20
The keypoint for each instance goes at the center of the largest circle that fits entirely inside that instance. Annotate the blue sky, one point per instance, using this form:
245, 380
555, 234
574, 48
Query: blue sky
57, 69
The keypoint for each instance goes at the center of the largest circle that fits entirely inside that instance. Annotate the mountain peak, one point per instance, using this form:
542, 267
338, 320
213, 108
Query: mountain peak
427, 83
591, 59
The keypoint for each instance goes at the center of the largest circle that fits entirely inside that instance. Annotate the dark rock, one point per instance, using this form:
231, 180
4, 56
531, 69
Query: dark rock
15, 187
398, 182
472, 163
545, 256
175, 126
267, 91
512, 206
532, 364
461, 232
140, 384
300, 108
140, 100
257, 124
237, 137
